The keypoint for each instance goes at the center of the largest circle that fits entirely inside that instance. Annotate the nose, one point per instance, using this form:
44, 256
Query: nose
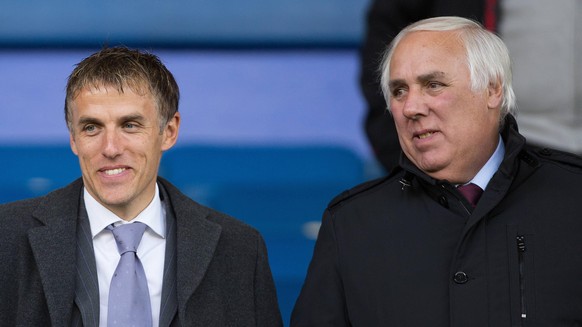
414, 106
112, 144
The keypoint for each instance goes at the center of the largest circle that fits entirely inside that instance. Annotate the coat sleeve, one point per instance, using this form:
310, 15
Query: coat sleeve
322, 300
266, 305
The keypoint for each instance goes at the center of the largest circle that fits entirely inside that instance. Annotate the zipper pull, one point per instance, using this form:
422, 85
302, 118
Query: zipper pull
521, 243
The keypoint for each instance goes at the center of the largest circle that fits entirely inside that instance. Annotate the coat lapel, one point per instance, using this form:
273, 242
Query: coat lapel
196, 242
87, 289
169, 305
517, 165
54, 249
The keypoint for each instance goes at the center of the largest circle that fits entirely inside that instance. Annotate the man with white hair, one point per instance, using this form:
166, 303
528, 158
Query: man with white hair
475, 227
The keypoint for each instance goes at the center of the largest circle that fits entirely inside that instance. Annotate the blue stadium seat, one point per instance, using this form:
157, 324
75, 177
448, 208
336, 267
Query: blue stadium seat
33, 170
263, 163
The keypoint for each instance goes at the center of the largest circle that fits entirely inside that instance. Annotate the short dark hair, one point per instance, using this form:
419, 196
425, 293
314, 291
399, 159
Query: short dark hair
120, 67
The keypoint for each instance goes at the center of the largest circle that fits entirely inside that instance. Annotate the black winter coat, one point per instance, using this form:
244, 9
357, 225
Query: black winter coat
409, 250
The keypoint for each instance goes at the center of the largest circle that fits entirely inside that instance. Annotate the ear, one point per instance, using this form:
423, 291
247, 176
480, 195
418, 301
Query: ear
171, 132
72, 143
494, 95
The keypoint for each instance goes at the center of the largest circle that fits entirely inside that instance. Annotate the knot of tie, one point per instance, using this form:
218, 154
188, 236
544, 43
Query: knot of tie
128, 236
471, 192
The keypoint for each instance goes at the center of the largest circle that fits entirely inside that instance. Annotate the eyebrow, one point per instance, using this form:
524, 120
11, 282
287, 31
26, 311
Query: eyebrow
422, 79
430, 76
394, 84
132, 117
88, 120
95, 121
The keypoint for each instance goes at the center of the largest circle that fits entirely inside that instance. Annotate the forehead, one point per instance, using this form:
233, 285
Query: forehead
113, 87
106, 100
112, 93
423, 51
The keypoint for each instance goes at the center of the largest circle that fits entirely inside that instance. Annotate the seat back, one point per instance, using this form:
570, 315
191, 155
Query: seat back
33, 170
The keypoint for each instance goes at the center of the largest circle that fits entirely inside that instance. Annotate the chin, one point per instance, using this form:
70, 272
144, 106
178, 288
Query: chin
114, 200
434, 170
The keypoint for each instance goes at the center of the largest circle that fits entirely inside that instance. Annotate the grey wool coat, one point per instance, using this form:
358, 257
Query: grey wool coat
217, 271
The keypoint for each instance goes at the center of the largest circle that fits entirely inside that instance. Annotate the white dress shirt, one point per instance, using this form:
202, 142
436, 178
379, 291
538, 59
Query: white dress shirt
151, 250
486, 173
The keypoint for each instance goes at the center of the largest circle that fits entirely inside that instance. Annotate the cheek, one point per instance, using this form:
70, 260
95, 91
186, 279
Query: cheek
88, 149
455, 110
149, 150
448, 102
397, 113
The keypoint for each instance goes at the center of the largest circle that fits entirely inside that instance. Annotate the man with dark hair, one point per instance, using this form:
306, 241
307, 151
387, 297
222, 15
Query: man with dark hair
122, 246
475, 227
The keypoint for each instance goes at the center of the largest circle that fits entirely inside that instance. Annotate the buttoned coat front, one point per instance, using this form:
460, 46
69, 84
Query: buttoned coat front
409, 250
222, 276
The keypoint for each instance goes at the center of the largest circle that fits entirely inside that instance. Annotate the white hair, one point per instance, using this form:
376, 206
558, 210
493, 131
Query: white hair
487, 56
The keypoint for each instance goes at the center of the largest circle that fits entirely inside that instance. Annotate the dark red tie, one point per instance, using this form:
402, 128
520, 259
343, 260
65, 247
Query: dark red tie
471, 192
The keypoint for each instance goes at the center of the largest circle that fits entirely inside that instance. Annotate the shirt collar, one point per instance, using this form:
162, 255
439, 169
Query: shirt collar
100, 217
486, 173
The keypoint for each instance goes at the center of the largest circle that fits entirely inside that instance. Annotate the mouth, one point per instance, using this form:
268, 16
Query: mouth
113, 171
424, 134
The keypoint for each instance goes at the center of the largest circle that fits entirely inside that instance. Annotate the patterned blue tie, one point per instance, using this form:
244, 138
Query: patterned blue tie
129, 298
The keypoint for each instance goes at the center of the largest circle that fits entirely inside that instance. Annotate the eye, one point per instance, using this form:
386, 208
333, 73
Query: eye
398, 93
89, 128
433, 85
131, 126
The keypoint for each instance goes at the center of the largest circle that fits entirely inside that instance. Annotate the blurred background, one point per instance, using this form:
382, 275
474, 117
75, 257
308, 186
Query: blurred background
271, 108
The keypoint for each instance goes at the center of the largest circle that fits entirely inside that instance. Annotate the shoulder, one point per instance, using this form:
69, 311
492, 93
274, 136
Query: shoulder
19, 217
561, 159
20, 205
185, 207
13, 213
20, 213
233, 228
366, 190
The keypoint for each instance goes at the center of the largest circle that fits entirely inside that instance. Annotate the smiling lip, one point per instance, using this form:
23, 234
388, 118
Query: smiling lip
113, 171
424, 134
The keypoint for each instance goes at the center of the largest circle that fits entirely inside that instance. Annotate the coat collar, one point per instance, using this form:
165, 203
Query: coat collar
510, 172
